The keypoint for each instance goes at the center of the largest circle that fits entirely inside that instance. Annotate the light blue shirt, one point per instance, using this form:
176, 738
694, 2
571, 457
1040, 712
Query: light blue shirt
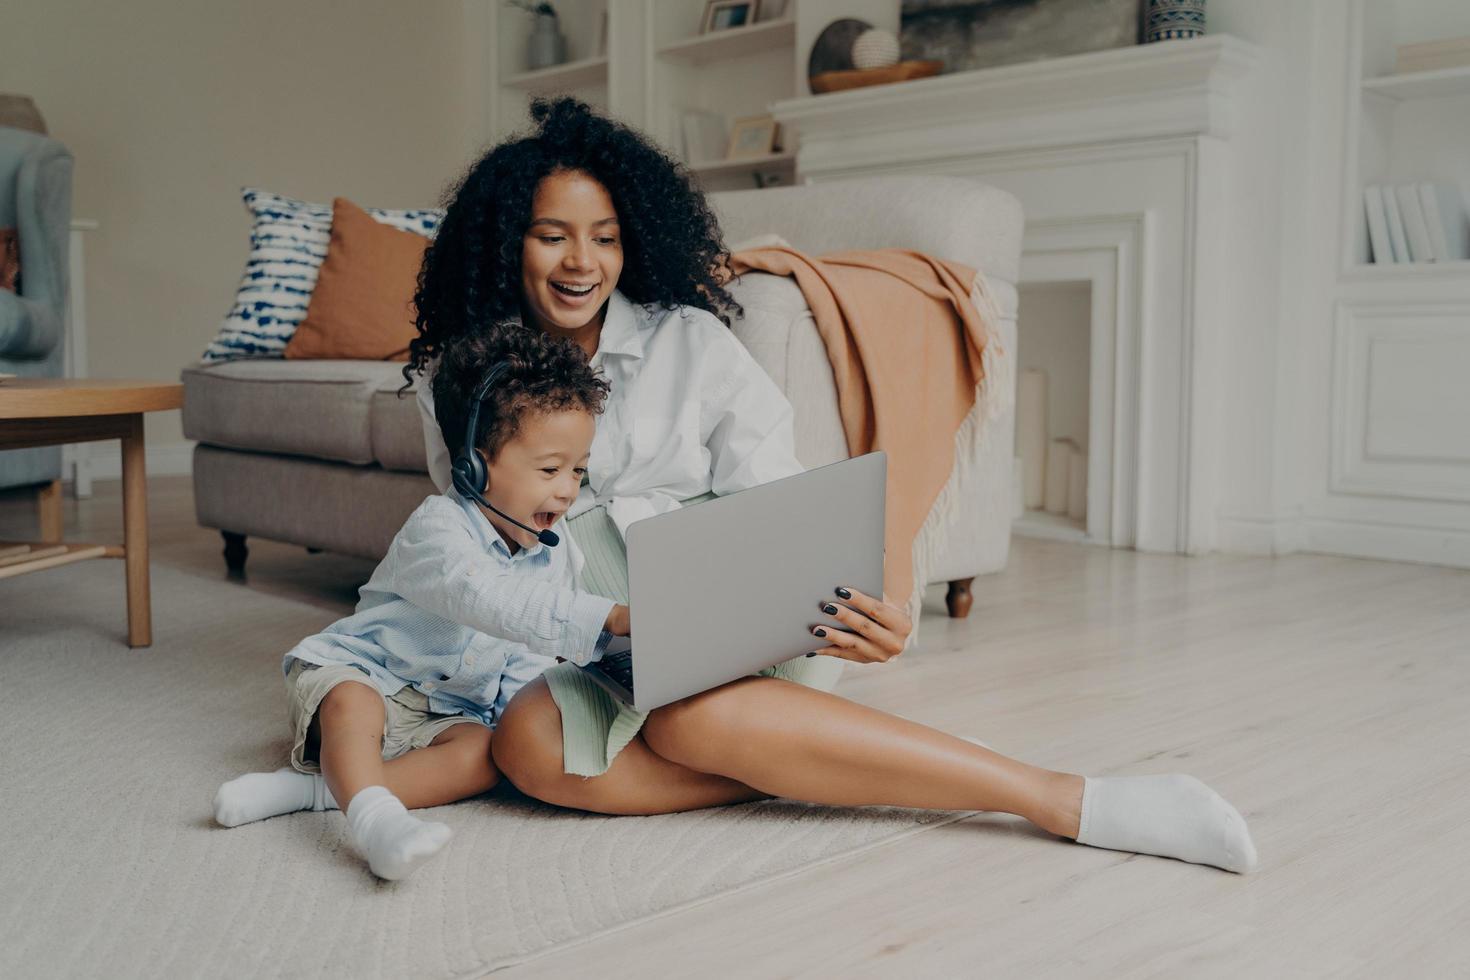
452, 613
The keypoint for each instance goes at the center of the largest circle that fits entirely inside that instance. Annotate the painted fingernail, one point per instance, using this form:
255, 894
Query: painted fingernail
818, 631
843, 593
829, 609
812, 654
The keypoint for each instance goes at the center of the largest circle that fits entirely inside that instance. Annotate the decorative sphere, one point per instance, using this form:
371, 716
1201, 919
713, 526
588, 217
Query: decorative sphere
875, 49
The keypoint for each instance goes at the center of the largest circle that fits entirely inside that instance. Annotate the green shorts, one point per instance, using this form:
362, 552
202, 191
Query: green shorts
595, 726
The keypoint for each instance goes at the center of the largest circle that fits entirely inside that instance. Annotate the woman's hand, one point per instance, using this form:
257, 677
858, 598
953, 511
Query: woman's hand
879, 630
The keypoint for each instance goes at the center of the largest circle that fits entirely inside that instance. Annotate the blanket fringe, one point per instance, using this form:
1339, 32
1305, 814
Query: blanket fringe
992, 395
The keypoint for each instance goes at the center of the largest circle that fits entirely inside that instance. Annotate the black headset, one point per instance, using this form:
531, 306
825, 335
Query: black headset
470, 475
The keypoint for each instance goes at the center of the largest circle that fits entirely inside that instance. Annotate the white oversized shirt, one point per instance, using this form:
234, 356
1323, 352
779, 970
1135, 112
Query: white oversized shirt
689, 412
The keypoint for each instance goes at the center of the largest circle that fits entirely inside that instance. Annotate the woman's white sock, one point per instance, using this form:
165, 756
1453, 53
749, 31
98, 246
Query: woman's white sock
394, 843
257, 795
1173, 816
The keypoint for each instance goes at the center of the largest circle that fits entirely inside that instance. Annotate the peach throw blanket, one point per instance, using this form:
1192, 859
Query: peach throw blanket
911, 339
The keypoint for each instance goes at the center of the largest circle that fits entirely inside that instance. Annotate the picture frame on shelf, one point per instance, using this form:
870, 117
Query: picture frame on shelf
753, 137
722, 15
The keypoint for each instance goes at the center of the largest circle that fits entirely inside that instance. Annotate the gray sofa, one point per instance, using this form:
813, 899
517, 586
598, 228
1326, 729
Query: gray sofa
325, 454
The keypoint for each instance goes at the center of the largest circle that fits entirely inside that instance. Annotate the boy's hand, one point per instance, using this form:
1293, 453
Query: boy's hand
619, 621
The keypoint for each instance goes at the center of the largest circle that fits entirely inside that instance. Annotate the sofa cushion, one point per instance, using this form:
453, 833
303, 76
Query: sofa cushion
324, 409
362, 306
288, 241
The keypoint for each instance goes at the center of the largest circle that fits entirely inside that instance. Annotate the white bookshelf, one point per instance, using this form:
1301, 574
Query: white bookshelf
785, 160
1404, 128
733, 43
656, 66
1420, 84
568, 77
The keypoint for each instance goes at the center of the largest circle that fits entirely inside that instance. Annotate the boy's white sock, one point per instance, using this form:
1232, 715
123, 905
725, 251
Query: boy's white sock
394, 843
257, 795
1173, 816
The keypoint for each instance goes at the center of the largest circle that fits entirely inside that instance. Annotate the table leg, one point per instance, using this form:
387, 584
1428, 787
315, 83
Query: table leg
135, 534
48, 506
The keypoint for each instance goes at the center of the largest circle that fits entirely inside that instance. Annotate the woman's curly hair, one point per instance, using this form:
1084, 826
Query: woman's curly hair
673, 251
543, 374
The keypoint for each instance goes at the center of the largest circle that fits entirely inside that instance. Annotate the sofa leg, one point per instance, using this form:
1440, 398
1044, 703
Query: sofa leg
235, 552
959, 599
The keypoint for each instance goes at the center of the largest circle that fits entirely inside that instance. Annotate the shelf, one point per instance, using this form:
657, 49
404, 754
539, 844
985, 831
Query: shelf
1421, 84
784, 159
561, 78
733, 42
1381, 272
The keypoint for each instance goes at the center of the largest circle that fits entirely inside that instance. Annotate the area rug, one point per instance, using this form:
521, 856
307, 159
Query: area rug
112, 864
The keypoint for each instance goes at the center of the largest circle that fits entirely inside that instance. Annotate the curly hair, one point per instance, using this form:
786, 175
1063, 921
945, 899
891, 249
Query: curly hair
546, 374
673, 250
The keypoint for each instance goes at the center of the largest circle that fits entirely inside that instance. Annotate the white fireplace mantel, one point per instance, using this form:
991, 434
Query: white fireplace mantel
1126, 163
1174, 88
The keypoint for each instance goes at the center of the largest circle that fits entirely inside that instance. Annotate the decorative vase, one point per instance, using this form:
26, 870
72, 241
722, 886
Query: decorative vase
547, 45
1170, 20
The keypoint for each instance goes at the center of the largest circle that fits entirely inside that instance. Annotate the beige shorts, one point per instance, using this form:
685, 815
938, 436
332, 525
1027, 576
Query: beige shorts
407, 721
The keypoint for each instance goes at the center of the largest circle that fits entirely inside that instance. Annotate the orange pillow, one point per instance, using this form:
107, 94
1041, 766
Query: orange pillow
362, 306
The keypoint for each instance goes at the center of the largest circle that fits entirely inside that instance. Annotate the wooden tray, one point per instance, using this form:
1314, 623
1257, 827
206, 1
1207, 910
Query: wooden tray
837, 81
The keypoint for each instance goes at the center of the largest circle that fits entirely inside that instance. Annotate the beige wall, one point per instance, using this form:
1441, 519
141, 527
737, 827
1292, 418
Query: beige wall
170, 107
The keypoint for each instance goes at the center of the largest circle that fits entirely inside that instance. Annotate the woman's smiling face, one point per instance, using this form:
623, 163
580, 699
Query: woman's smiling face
572, 254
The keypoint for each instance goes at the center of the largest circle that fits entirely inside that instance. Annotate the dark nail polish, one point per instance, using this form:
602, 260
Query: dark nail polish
812, 654
843, 593
829, 609
818, 631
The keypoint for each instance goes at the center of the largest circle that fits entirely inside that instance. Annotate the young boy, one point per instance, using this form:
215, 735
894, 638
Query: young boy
392, 708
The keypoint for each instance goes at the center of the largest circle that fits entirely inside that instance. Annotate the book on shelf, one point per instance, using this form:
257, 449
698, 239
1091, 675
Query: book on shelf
1433, 55
1396, 232
1415, 230
1377, 225
1445, 216
1422, 222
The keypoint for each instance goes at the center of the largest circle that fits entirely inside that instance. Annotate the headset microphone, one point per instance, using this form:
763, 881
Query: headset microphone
469, 473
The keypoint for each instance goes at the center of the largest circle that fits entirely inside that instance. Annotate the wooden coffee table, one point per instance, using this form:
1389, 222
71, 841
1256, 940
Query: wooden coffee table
52, 411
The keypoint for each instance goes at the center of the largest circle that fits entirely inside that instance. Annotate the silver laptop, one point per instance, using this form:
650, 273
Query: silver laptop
722, 589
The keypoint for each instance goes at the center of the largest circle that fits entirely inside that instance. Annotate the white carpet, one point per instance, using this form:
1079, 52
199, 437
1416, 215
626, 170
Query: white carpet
110, 863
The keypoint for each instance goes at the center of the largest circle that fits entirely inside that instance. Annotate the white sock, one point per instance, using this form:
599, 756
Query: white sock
1173, 816
257, 795
394, 843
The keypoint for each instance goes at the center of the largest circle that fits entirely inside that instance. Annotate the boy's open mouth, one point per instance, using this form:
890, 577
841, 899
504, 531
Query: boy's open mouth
544, 519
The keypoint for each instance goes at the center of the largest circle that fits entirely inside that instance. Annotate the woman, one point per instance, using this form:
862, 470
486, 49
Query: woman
587, 231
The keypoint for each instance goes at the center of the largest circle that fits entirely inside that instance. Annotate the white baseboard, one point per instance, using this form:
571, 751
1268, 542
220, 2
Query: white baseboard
1243, 535
103, 460
1355, 539
1391, 542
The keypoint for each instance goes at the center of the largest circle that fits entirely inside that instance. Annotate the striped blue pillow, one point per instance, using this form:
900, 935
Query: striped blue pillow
287, 245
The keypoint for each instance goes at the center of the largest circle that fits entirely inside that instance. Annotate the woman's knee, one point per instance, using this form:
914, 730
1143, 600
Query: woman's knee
692, 731
526, 746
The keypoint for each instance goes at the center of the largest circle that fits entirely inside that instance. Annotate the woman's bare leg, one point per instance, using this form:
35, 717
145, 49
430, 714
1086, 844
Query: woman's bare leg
766, 737
793, 741
527, 748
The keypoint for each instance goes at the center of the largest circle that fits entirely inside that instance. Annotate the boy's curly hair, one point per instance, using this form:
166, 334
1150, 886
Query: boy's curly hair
546, 374
673, 251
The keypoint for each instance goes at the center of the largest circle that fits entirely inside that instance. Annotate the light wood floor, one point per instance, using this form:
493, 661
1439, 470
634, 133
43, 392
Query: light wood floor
1327, 698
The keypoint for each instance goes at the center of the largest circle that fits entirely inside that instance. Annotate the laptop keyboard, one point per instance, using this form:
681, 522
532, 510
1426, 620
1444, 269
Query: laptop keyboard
619, 666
